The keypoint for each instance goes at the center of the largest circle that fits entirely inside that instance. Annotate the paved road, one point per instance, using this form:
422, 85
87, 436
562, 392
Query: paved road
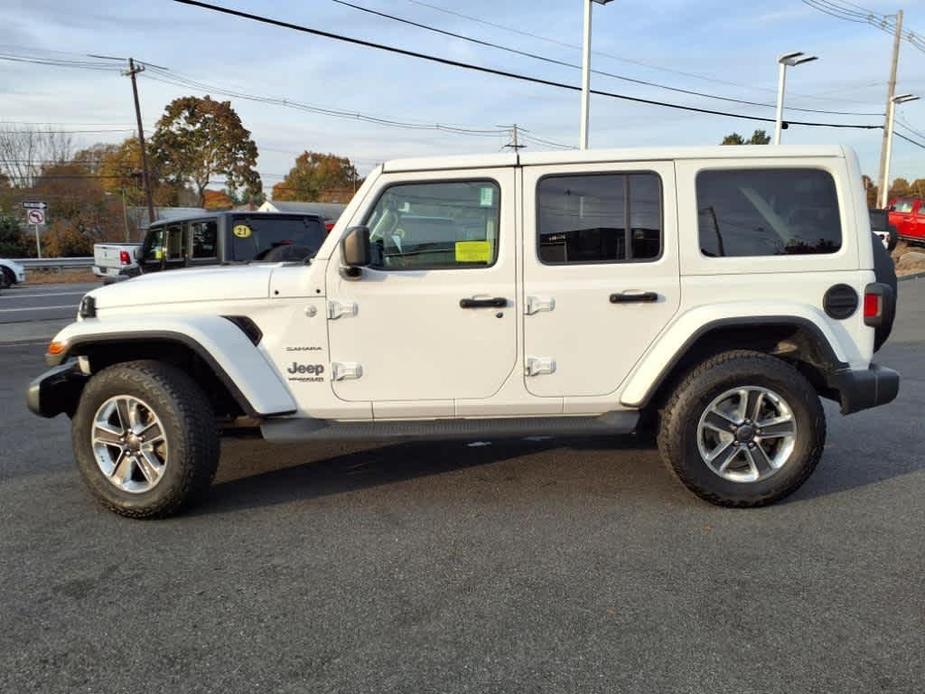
41, 302
558, 566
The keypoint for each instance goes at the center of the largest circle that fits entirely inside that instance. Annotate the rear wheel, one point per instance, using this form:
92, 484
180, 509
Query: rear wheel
7, 278
743, 429
145, 439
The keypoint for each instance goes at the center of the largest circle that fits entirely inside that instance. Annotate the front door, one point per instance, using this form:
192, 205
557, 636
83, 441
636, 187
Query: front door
435, 316
600, 272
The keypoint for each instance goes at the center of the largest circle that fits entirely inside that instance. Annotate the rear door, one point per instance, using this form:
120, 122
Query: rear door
600, 272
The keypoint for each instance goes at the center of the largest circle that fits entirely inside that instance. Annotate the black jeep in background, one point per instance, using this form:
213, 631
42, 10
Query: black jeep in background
220, 238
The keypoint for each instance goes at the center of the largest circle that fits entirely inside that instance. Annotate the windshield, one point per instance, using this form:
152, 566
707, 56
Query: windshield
273, 239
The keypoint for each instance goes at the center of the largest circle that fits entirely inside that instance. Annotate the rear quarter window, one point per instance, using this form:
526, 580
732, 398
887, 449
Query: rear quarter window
764, 212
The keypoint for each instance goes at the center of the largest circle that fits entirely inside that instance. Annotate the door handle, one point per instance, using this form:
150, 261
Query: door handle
494, 302
634, 298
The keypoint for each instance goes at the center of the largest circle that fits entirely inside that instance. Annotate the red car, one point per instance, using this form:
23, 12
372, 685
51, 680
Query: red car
908, 216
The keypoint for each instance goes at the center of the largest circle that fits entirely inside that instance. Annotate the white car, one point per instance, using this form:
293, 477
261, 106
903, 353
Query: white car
11, 273
711, 294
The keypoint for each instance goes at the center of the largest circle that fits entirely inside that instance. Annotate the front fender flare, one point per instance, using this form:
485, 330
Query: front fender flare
235, 360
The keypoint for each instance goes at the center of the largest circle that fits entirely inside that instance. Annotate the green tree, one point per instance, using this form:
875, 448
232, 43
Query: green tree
13, 241
318, 177
197, 139
759, 137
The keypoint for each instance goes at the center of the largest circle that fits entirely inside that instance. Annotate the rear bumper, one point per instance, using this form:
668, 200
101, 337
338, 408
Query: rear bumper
56, 391
120, 273
863, 389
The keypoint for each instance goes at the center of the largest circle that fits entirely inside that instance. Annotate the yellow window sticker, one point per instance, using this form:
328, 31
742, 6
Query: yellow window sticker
473, 252
242, 231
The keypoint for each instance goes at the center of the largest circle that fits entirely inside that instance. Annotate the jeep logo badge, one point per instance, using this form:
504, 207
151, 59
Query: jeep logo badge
306, 372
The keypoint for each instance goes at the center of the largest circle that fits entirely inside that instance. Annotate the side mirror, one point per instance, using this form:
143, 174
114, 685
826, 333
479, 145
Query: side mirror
355, 249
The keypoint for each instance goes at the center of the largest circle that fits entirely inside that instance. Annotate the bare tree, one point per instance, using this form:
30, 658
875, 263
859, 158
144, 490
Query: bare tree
24, 152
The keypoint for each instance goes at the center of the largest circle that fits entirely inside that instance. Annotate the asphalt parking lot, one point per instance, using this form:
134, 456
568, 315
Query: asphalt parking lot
555, 566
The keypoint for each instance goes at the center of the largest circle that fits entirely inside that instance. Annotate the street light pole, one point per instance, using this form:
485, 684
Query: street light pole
884, 192
586, 73
785, 61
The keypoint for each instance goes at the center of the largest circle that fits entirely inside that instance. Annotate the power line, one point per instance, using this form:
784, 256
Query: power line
852, 12
554, 61
494, 71
623, 59
909, 139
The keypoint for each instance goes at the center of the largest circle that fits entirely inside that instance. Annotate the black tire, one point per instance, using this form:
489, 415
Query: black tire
8, 279
680, 419
188, 424
885, 272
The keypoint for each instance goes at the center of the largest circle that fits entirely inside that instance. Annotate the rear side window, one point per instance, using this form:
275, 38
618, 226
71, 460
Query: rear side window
599, 218
205, 239
275, 238
761, 212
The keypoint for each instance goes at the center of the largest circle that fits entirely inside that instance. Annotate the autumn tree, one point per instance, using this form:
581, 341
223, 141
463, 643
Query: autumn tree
80, 212
871, 191
198, 139
217, 200
900, 188
318, 177
759, 137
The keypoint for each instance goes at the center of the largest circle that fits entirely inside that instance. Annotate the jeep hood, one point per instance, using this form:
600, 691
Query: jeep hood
188, 285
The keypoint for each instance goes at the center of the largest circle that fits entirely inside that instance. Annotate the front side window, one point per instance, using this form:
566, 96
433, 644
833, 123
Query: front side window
904, 205
155, 242
599, 218
762, 212
437, 225
205, 239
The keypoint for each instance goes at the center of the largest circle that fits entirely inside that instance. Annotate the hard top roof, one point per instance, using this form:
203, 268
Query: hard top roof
478, 161
236, 213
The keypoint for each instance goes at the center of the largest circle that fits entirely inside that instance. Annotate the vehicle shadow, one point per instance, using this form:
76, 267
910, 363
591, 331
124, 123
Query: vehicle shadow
255, 474
259, 474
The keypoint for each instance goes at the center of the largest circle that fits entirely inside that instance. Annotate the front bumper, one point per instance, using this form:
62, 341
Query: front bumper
863, 389
56, 391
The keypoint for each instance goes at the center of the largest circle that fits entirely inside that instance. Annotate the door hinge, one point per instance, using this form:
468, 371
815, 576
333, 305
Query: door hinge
536, 304
344, 371
540, 365
336, 309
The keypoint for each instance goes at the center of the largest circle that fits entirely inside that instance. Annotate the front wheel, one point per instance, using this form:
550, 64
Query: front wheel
145, 439
743, 429
7, 278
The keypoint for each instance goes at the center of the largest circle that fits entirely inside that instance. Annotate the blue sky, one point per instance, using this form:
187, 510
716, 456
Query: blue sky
731, 45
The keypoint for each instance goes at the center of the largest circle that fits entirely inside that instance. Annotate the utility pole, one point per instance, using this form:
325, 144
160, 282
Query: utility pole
133, 70
884, 185
514, 144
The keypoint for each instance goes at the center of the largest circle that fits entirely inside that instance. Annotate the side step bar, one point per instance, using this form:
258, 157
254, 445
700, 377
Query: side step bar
292, 430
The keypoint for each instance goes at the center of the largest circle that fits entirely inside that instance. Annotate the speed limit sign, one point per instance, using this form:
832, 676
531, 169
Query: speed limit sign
35, 216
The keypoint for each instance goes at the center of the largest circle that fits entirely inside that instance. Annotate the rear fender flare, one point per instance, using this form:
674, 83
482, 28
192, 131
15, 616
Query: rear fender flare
657, 364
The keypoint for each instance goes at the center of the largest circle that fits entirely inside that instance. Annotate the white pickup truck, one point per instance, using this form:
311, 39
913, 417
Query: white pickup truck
712, 295
115, 261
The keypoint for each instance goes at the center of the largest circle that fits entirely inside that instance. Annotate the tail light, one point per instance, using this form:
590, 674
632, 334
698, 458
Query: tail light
328, 226
877, 298
125, 258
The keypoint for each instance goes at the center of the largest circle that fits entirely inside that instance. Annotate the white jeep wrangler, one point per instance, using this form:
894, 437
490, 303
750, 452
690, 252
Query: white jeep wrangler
710, 294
